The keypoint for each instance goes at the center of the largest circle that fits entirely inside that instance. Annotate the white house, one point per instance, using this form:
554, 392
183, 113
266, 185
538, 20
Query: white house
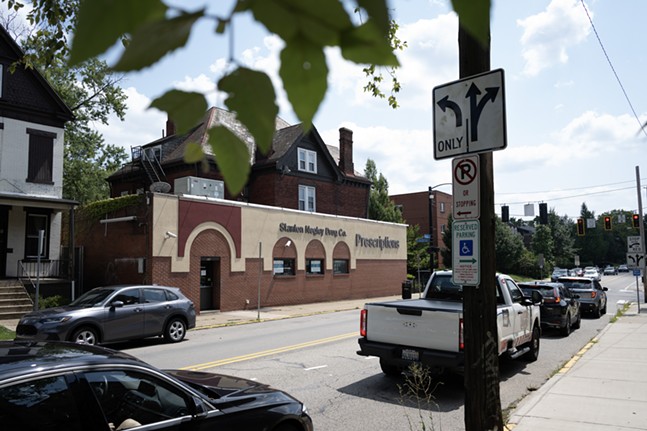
32, 120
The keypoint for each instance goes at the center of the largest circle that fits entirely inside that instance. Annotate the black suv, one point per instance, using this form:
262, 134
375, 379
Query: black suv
75, 387
559, 309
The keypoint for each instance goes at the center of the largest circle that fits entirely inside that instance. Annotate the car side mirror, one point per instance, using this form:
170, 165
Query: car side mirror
605, 289
537, 297
116, 304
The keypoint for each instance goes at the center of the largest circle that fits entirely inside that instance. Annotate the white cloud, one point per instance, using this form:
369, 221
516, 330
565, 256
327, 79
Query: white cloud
548, 35
141, 125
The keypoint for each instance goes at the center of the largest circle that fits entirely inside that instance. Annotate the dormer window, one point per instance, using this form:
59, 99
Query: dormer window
307, 161
154, 153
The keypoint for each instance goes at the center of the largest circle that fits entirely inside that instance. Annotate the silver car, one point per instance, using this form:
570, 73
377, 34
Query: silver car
113, 313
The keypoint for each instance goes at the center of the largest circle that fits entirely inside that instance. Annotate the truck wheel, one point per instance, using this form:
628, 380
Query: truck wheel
390, 370
566, 330
533, 354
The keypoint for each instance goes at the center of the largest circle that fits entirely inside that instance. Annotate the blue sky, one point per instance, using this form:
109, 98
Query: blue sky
572, 136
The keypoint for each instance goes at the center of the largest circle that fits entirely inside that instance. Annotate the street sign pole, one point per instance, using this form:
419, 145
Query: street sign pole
482, 394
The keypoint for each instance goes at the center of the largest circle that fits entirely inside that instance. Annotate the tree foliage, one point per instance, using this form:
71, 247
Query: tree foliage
380, 206
150, 29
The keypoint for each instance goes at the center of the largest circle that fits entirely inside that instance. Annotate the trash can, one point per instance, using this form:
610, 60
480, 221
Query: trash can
406, 289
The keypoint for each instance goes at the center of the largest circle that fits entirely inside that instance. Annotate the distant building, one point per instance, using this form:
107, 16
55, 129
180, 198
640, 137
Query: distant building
431, 215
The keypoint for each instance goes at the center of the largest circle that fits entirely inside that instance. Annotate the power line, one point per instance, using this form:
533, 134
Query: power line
573, 189
642, 128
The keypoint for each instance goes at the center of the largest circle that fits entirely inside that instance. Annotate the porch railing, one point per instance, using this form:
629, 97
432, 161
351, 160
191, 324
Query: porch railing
46, 269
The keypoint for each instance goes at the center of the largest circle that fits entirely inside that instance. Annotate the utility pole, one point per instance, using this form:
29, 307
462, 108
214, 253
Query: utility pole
482, 396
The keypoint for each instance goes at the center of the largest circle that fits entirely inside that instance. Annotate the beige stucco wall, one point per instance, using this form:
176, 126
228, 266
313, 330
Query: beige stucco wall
366, 239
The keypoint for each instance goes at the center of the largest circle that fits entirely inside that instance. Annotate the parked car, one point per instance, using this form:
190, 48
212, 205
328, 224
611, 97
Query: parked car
592, 296
64, 386
560, 308
610, 270
623, 268
592, 273
576, 272
113, 313
558, 272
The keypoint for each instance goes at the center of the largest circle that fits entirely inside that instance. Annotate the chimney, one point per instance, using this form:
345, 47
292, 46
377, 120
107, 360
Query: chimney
170, 127
346, 151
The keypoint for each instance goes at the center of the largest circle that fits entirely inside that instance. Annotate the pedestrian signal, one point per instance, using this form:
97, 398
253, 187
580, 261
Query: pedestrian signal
580, 226
607, 223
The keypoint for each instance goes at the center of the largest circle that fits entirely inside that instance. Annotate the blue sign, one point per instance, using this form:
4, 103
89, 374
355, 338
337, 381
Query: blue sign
636, 272
466, 247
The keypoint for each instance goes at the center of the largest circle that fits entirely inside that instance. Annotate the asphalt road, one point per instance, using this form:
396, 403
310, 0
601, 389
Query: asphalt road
314, 359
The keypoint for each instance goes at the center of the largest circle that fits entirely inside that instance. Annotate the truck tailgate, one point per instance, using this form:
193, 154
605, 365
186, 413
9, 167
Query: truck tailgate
420, 323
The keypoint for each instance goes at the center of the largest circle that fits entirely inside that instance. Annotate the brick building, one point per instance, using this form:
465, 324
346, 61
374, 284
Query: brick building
296, 234
419, 207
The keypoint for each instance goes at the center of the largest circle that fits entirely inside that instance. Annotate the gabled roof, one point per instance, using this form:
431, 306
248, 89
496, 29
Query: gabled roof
29, 95
286, 135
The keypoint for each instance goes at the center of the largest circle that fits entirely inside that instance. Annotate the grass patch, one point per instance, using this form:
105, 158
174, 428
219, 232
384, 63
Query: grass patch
620, 312
6, 334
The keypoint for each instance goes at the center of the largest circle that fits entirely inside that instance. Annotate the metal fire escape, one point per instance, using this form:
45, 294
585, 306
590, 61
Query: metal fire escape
150, 163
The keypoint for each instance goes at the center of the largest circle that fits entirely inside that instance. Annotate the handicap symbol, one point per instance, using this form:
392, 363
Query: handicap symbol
465, 247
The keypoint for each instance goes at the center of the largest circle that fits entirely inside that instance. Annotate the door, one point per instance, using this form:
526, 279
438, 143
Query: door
4, 223
210, 283
521, 326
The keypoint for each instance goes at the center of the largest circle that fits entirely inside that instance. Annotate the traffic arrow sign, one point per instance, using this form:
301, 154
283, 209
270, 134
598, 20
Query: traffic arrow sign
469, 115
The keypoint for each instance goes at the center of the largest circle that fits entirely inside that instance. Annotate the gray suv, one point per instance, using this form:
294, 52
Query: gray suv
113, 313
592, 296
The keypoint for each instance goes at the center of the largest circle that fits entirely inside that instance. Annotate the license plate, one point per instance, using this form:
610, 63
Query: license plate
410, 355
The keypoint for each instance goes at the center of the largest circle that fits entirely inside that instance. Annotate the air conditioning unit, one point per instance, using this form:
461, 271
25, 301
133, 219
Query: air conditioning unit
199, 187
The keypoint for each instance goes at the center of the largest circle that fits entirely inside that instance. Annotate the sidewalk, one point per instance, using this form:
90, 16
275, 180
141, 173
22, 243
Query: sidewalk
601, 389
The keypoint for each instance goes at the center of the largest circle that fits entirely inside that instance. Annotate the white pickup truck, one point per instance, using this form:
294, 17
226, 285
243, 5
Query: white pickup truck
430, 330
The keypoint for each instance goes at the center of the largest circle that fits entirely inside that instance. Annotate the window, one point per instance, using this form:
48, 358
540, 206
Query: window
1, 79
307, 199
442, 228
45, 404
314, 266
137, 397
284, 266
128, 297
35, 223
307, 160
515, 293
154, 153
154, 295
442, 207
340, 266
41, 156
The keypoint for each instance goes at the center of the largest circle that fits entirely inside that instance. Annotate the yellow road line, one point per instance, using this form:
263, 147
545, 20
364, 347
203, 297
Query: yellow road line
256, 355
577, 357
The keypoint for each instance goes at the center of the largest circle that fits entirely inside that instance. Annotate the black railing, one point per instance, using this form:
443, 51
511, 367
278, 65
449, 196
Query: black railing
46, 269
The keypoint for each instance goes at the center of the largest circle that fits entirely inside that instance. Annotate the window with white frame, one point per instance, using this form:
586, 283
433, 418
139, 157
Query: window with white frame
36, 222
307, 199
442, 207
307, 160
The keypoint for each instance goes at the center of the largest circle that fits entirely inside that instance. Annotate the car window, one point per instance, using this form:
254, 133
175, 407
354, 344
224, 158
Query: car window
134, 398
442, 287
154, 295
515, 293
128, 297
171, 296
45, 404
92, 298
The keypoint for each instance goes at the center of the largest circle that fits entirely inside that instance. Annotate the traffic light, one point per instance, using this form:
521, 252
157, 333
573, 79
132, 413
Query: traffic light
580, 227
607, 223
505, 213
635, 220
543, 213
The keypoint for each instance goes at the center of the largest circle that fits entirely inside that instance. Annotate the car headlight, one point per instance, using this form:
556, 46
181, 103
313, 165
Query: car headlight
58, 319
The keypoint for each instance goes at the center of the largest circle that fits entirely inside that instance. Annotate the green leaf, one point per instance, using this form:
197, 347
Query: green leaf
102, 22
320, 21
154, 40
377, 10
304, 73
474, 16
252, 97
184, 109
232, 157
365, 44
193, 153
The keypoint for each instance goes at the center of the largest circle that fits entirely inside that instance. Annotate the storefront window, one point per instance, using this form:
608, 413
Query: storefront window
340, 266
284, 267
314, 266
